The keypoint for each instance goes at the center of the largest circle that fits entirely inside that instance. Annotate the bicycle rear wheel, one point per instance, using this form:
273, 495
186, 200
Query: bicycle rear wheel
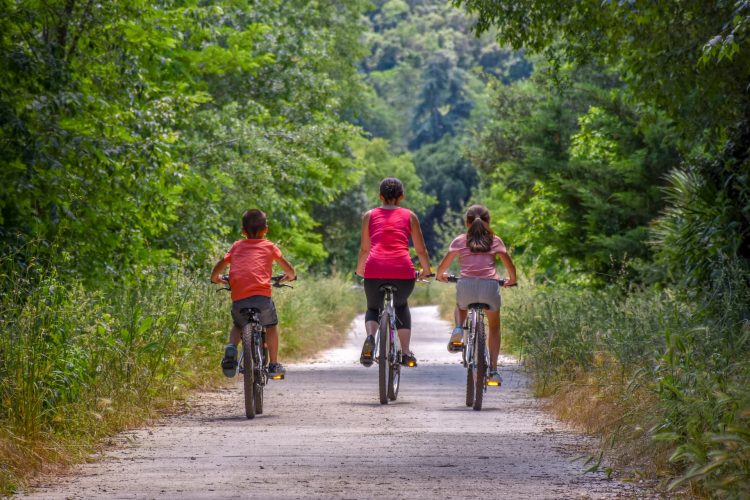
383, 336
480, 363
248, 374
258, 383
469, 386
394, 374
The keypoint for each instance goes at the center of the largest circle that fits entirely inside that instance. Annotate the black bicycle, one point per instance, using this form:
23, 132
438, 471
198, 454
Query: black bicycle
475, 352
388, 346
253, 358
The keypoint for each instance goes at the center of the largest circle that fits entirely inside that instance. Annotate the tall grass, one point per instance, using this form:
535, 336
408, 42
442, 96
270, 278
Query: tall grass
650, 370
77, 364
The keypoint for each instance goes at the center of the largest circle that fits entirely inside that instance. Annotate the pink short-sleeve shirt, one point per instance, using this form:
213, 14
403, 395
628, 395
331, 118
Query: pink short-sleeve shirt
477, 265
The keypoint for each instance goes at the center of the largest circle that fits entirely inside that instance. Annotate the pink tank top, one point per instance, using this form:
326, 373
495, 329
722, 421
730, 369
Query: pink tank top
389, 258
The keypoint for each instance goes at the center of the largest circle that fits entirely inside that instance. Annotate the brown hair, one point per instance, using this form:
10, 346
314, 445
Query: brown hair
253, 222
391, 188
479, 235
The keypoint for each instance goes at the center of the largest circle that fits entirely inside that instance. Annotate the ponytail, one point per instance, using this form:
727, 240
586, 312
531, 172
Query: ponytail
479, 235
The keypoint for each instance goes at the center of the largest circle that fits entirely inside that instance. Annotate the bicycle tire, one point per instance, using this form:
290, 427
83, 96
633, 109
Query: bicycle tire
383, 363
248, 370
480, 363
394, 376
469, 386
258, 386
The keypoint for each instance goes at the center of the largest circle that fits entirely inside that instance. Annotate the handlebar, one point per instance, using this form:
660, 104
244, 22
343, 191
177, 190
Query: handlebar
453, 279
275, 282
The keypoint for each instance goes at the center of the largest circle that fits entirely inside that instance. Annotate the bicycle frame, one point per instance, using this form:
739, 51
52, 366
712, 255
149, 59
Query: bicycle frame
260, 359
388, 347
474, 317
394, 344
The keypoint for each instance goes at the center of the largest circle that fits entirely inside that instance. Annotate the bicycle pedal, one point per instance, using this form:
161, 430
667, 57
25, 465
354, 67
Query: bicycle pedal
279, 376
492, 383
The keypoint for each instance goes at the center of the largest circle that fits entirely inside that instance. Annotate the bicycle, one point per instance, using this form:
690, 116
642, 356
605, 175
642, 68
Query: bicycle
253, 358
388, 346
475, 353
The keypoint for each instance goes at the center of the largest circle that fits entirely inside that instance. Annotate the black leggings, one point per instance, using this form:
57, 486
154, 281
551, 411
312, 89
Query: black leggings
400, 298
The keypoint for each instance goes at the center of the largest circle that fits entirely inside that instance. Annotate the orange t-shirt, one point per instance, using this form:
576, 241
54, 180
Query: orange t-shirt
251, 267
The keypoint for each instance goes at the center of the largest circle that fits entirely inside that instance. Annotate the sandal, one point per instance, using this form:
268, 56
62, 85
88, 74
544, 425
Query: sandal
229, 363
408, 359
367, 351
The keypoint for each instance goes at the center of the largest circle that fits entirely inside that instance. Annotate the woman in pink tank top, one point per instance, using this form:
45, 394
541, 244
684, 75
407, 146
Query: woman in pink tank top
384, 258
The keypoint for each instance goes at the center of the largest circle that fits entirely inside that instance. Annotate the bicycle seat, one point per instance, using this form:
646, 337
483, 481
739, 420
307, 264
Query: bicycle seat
387, 286
250, 311
479, 305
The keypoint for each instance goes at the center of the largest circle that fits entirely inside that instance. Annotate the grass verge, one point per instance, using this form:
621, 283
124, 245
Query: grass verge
77, 364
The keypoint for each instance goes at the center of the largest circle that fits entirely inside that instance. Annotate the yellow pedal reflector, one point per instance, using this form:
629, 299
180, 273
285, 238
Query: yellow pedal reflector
411, 363
277, 377
493, 383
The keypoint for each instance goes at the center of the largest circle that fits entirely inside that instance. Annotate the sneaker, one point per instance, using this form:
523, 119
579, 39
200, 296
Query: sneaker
408, 359
367, 350
276, 371
495, 379
229, 363
456, 343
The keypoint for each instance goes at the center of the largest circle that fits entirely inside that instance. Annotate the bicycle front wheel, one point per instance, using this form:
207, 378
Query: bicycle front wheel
383, 344
248, 370
480, 364
258, 381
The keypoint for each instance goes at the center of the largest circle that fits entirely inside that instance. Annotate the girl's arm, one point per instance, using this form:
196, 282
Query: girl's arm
364, 245
508, 263
444, 265
419, 246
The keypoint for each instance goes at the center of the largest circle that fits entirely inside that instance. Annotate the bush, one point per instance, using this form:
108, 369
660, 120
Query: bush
691, 359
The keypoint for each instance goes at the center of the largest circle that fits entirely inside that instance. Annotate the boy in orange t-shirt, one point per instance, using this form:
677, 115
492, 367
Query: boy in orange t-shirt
251, 267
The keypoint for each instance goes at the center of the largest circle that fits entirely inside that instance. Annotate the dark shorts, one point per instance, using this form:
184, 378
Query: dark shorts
263, 304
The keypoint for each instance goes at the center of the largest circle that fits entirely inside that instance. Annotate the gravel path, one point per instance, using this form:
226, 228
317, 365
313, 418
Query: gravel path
325, 435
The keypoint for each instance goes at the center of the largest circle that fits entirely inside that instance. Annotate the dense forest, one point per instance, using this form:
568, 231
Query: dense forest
610, 140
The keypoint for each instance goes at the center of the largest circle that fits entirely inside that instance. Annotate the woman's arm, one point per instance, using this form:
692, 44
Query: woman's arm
419, 246
508, 263
364, 244
444, 265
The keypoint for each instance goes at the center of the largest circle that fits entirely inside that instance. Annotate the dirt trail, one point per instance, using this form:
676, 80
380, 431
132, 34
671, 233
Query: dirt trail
325, 435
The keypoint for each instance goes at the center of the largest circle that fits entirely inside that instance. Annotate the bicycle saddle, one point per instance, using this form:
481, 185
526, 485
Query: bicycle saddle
479, 305
248, 311
387, 286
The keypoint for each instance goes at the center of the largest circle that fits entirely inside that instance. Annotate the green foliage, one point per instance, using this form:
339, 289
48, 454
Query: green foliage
573, 173
134, 133
693, 359
683, 58
429, 73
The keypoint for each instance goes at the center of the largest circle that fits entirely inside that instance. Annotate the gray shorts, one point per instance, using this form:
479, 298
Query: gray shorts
471, 290
264, 304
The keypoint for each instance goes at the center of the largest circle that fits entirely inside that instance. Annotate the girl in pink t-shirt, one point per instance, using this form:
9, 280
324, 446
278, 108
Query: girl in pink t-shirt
477, 251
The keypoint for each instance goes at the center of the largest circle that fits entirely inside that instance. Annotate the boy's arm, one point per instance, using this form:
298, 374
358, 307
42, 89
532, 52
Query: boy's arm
364, 245
508, 263
289, 274
217, 270
444, 265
